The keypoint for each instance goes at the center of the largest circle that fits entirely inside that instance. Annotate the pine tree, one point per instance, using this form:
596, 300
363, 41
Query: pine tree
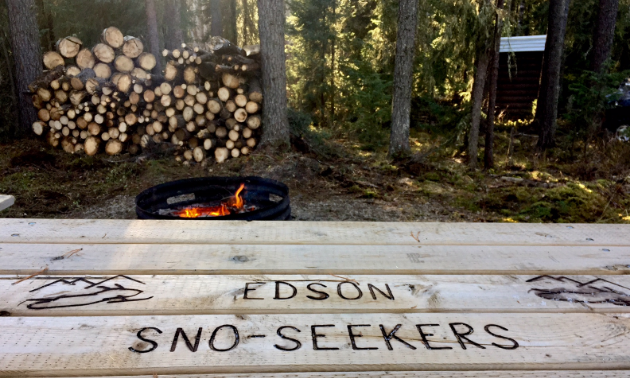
403, 77
152, 32
247, 22
492, 90
271, 26
482, 61
174, 35
216, 21
604, 33
26, 53
229, 21
547, 110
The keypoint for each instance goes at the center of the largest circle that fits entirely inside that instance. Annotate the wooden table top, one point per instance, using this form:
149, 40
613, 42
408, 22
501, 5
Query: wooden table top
95, 298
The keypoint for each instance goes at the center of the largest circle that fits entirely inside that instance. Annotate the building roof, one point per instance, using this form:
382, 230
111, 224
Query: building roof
521, 44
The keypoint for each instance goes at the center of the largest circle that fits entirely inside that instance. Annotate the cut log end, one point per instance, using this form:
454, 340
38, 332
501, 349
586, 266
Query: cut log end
53, 59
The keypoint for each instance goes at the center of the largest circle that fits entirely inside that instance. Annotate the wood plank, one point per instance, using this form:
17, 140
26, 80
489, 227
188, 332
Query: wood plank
188, 295
151, 259
99, 345
418, 374
328, 233
6, 201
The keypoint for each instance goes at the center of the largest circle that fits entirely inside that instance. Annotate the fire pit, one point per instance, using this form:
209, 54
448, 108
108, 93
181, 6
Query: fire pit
216, 198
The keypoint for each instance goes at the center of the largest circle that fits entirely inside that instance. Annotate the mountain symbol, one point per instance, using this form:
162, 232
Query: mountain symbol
594, 291
88, 292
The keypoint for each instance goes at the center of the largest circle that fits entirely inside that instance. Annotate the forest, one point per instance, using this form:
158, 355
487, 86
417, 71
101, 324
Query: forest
391, 108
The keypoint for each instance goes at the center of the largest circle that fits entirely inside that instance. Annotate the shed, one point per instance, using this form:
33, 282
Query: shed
520, 68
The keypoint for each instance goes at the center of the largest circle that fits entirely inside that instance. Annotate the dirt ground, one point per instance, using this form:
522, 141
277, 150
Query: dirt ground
352, 186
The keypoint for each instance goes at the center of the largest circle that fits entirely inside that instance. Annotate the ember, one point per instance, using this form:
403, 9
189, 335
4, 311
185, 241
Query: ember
234, 205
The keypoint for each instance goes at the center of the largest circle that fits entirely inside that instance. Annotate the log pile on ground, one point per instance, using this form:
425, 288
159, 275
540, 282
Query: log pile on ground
205, 104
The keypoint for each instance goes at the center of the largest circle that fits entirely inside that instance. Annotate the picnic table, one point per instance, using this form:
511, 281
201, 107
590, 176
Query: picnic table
125, 298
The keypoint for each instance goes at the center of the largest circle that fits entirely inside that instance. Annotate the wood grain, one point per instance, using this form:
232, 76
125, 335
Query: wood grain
168, 259
417, 374
99, 345
188, 295
320, 233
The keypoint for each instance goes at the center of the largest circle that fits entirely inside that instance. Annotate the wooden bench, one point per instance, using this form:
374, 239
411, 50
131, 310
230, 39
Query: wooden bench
233, 299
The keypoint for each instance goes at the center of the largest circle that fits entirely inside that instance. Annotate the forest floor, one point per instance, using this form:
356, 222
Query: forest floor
353, 185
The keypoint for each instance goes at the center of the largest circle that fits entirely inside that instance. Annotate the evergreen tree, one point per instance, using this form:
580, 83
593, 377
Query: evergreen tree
152, 32
26, 53
216, 18
484, 52
247, 22
403, 72
492, 90
229, 21
271, 26
547, 110
604, 33
174, 36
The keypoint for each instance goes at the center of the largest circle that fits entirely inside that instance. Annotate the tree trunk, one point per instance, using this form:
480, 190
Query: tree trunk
174, 36
229, 19
604, 33
271, 15
154, 40
46, 26
248, 32
26, 52
403, 77
15, 122
492, 94
481, 74
331, 120
547, 111
216, 21
521, 11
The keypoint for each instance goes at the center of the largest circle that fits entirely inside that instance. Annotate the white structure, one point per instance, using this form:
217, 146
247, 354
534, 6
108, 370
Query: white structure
6, 201
523, 44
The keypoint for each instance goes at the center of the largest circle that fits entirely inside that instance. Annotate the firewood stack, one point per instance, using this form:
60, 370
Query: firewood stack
213, 100
206, 103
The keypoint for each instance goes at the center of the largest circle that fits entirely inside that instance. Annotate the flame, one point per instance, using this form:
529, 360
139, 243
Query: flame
236, 202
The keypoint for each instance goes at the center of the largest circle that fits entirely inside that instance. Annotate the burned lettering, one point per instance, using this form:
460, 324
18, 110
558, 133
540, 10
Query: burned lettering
278, 294
424, 336
322, 295
462, 336
389, 294
514, 342
192, 348
154, 345
340, 291
353, 337
392, 335
247, 289
298, 344
315, 336
234, 344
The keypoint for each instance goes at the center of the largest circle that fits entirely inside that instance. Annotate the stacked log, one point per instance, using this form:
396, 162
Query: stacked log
206, 103
217, 100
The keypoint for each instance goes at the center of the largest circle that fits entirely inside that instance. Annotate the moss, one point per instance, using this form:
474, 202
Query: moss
432, 176
370, 193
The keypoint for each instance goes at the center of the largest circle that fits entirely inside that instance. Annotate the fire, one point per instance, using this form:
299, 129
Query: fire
237, 200
233, 204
